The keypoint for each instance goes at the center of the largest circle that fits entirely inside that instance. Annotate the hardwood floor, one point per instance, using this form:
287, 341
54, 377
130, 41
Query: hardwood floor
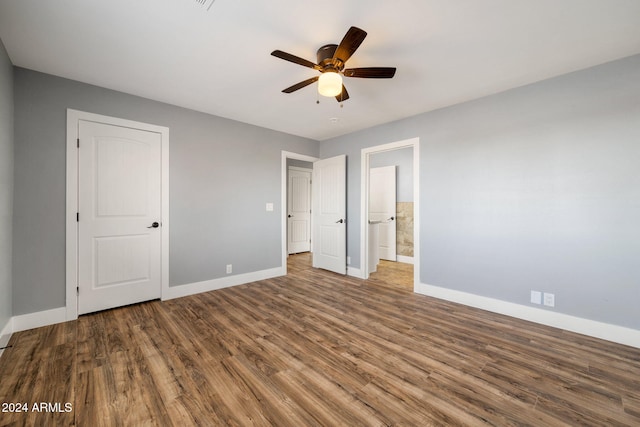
315, 349
395, 274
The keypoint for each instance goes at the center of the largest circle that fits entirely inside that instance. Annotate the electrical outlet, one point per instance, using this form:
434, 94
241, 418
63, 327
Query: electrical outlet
536, 297
549, 299
229, 268
269, 207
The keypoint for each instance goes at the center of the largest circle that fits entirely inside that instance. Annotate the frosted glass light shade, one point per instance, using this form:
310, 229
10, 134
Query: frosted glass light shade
330, 84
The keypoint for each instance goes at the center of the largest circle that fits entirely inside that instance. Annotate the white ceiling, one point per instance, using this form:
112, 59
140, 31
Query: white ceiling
218, 61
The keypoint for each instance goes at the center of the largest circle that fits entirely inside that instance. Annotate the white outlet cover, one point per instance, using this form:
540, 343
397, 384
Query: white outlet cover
549, 300
536, 297
269, 207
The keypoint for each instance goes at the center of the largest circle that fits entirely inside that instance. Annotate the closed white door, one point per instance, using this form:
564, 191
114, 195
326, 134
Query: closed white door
329, 214
119, 200
299, 211
382, 209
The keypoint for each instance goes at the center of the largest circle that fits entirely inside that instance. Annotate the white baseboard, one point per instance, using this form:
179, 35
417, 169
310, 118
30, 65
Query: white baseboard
39, 318
405, 259
355, 272
59, 315
223, 282
592, 328
5, 335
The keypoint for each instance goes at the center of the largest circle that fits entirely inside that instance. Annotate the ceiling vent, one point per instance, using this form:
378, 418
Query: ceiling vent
206, 4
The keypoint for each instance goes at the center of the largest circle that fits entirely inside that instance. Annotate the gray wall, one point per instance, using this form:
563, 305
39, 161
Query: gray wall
6, 184
533, 188
299, 163
403, 160
222, 173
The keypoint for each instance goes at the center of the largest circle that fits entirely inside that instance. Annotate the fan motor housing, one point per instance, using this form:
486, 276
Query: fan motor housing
326, 59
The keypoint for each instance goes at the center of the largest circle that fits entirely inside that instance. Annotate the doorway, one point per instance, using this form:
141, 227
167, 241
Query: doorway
298, 206
289, 159
367, 162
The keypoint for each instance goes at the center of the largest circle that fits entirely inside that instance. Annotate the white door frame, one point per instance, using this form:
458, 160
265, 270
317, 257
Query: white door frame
283, 200
364, 203
73, 118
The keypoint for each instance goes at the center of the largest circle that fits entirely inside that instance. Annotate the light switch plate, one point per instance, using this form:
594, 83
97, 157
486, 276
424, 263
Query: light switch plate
269, 207
536, 297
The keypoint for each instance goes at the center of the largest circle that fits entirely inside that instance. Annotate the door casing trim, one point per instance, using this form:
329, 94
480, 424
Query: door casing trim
71, 279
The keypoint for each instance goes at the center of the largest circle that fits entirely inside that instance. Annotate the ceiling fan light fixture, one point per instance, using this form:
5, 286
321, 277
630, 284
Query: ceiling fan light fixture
330, 84
331, 63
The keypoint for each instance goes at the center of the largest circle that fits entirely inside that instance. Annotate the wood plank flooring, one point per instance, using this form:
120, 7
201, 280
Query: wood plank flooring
394, 274
315, 349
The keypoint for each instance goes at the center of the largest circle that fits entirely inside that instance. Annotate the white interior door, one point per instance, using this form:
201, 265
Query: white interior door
382, 209
119, 200
329, 214
299, 210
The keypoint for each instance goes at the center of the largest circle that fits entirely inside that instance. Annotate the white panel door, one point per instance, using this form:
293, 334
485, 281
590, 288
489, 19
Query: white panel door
329, 214
382, 209
119, 237
299, 211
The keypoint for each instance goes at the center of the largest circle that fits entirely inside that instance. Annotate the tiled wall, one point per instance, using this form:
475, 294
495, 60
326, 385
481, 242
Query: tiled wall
404, 228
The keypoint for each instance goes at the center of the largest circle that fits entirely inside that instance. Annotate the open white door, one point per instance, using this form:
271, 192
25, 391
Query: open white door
329, 214
299, 210
382, 209
119, 200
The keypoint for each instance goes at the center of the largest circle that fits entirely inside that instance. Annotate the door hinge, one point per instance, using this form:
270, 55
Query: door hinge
78, 290
77, 216
78, 142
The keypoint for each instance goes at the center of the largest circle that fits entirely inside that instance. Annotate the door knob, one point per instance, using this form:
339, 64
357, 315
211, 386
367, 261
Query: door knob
154, 225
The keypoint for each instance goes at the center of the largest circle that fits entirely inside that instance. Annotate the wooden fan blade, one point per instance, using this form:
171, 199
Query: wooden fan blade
371, 72
301, 84
343, 96
349, 43
295, 59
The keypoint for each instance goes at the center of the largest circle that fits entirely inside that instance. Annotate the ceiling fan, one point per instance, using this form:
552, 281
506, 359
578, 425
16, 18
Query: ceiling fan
331, 61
